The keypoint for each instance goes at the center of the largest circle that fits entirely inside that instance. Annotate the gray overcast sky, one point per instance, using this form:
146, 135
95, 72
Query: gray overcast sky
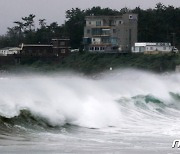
54, 10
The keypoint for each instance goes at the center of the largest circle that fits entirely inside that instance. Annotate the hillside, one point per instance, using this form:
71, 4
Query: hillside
89, 63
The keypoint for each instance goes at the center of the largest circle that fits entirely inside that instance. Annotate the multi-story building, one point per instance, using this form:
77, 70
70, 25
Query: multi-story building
110, 33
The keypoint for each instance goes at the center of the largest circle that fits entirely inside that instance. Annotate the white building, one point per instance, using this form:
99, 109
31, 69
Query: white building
9, 51
150, 48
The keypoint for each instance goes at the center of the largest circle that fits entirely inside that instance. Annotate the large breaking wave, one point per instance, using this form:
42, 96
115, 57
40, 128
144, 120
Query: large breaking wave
130, 101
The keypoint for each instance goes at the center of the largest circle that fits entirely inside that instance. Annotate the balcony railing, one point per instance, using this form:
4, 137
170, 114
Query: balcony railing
100, 32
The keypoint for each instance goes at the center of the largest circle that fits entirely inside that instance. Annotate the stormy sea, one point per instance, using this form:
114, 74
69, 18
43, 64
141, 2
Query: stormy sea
122, 111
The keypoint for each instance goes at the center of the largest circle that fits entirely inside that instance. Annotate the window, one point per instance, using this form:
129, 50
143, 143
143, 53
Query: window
120, 22
105, 31
55, 43
113, 22
96, 31
151, 48
102, 48
114, 41
164, 48
98, 23
96, 48
89, 22
91, 48
63, 51
106, 40
62, 43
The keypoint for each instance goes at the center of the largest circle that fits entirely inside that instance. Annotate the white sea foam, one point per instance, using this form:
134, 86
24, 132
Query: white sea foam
96, 103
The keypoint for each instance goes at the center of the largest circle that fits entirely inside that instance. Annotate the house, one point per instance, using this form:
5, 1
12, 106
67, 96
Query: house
36, 49
61, 47
9, 51
152, 47
58, 47
110, 33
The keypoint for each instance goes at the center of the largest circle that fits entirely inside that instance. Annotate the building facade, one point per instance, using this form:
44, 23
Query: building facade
9, 51
58, 48
110, 33
61, 47
36, 49
152, 47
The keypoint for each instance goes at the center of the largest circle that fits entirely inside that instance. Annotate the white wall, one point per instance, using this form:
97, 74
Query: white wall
93, 22
8, 52
159, 48
143, 48
96, 40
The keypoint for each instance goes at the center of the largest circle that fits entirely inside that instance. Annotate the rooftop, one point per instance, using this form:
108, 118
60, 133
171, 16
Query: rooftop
36, 45
10, 48
95, 17
152, 44
60, 39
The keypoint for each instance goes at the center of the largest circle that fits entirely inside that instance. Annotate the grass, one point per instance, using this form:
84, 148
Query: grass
89, 63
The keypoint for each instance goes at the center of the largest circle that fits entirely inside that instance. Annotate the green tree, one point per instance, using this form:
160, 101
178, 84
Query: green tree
29, 22
161, 24
42, 23
74, 26
19, 28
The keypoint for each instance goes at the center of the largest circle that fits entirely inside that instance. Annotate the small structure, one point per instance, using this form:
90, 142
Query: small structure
152, 48
59, 47
9, 51
36, 49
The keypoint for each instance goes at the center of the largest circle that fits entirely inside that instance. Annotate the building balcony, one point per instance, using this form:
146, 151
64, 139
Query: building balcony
100, 44
102, 26
101, 35
100, 32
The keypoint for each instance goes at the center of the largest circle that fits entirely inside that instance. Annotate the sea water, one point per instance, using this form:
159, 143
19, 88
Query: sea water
122, 111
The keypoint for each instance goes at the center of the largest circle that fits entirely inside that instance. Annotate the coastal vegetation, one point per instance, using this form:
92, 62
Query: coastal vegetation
160, 24
90, 63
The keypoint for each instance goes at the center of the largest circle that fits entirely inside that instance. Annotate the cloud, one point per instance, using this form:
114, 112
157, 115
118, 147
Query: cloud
54, 10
